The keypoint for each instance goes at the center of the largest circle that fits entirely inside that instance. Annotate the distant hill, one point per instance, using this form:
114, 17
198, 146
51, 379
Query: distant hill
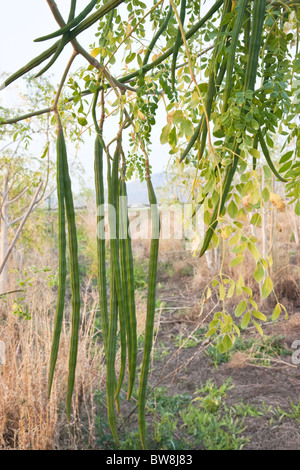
137, 191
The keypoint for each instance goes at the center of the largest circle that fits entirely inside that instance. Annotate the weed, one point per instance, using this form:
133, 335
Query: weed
180, 422
140, 275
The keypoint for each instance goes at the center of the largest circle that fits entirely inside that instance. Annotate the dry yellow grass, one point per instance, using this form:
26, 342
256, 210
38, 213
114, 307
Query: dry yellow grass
27, 419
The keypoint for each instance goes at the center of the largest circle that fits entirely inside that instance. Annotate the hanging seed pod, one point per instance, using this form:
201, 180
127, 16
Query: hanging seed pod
149, 328
201, 129
258, 18
72, 23
62, 271
64, 40
232, 48
99, 186
178, 41
128, 287
249, 84
113, 317
115, 246
61, 45
212, 90
157, 35
31, 65
74, 271
268, 157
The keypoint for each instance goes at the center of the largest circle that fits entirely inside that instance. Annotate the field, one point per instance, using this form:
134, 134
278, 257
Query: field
198, 398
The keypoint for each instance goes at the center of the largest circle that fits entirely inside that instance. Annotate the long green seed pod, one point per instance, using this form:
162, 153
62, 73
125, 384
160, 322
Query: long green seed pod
74, 271
152, 275
128, 288
117, 271
71, 23
249, 84
62, 261
242, 6
213, 87
113, 317
64, 40
268, 157
157, 35
99, 187
62, 43
259, 9
94, 17
178, 41
220, 205
72, 10
31, 65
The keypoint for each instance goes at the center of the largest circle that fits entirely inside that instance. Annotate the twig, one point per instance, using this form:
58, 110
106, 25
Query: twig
20, 227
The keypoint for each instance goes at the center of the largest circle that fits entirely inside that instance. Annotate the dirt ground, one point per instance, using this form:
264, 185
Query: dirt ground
185, 369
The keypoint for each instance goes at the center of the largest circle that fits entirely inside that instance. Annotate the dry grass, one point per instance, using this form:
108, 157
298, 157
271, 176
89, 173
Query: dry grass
27, 419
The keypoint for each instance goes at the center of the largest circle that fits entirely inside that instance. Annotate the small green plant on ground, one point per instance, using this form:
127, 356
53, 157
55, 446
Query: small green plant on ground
140, 275
181, 422
210, 424
189, 341
167, 268
160, 351
278, 415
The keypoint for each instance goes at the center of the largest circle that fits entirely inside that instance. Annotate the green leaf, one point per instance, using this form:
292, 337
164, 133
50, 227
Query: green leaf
82, 121
45, 151
226, 343
285, 167
267, 287
254, 251
231, 290
256, 220
254, 152
258, 327
187, 127
297, 208
265, 194
130, 57
173, 137
259, 315
210, 332
267, 172
276, 312
253, 303
246, 320
177, 117
232, 209
259, 272
286, 157
237, 260
164, 136
235, 239
240, 308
